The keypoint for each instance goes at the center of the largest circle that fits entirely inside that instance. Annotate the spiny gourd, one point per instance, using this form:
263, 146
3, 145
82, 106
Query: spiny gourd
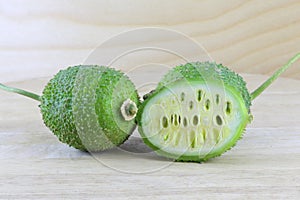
91, 108
198, 111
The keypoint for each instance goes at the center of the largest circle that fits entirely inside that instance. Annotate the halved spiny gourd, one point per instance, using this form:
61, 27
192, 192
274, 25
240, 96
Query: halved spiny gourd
195, 112
198, 111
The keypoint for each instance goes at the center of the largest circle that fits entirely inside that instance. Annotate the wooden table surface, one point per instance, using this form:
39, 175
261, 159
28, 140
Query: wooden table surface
265, 164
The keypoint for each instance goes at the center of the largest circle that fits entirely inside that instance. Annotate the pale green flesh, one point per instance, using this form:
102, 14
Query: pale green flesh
179, 121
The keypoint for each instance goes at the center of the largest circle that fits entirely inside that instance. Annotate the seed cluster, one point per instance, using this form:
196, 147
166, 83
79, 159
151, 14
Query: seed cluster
201, 120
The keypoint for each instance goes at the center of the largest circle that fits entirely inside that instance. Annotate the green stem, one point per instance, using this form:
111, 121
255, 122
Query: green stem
268, 82
21, 92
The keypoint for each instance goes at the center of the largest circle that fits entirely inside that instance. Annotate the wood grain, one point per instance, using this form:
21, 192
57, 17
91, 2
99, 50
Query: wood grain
265, 164
39, 38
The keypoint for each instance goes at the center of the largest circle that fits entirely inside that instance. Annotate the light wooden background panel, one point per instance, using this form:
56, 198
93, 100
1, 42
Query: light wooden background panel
39, 37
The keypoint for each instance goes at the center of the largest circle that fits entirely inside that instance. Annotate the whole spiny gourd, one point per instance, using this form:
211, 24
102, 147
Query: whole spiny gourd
91, 108
198, 111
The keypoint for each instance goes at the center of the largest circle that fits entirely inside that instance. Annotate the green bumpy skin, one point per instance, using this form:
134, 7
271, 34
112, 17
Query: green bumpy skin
81, 106
198, 111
